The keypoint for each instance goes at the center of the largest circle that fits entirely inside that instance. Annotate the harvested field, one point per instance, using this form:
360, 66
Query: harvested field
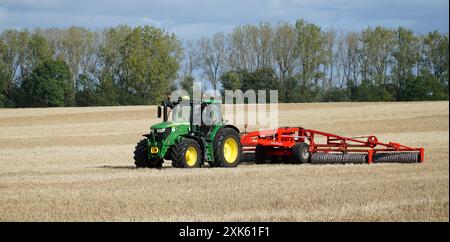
76, 164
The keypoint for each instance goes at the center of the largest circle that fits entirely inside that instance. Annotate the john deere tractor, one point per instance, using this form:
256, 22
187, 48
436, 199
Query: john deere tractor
192, 133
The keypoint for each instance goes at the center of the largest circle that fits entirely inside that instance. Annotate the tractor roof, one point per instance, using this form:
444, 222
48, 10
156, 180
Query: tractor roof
207, 101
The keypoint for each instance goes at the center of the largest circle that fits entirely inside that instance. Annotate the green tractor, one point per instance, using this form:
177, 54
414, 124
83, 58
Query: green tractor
194, 134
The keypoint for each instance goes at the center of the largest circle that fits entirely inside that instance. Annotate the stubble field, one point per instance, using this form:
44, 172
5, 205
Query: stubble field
72, 164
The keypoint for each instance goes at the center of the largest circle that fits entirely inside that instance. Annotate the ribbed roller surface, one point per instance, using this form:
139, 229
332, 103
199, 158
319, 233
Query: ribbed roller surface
356, 158
336, 158
396, 157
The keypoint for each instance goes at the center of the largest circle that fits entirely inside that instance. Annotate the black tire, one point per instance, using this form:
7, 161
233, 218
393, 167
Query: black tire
261, 156
300, 153
219, 142
141, 159
178, 153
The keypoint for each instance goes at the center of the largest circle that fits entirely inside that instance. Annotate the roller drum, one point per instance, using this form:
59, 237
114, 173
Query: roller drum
355, 158
326, 158
338, 158
396, 157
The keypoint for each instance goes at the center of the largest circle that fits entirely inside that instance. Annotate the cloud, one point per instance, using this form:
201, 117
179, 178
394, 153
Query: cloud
193, 18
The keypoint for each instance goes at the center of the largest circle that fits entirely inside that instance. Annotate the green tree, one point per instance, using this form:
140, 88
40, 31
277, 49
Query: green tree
3, 86
336, 94
85, 91
250, 47
107, 93
285, 53
187, 83
425, 86
435, 59
38, 50
49, 85
261, 79
13, 44
153, 63
232, 80
3, 76
406, 56
142, 63
114, 72
376, 56
79, 50
312, 51
212, 57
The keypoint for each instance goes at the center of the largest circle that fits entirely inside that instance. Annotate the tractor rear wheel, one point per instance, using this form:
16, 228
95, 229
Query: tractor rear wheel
300, 153
141, 158
186, 153
227, 148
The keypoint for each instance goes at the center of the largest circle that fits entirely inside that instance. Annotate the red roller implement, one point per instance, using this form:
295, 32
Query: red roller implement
279, 142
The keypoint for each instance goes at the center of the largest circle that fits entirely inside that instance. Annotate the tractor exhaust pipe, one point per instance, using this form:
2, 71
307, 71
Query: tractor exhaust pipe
191, 116
163, 111
165, 118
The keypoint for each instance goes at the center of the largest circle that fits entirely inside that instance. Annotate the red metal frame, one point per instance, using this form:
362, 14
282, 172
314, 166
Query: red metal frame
282, 139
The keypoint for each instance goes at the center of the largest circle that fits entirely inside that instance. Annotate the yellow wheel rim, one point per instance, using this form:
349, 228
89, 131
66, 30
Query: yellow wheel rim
191, 156
230, 150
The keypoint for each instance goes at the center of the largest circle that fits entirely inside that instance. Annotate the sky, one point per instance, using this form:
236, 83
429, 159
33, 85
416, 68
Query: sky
190, 19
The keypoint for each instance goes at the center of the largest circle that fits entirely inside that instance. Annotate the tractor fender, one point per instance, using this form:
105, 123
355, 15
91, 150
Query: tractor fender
212, 135
230, 126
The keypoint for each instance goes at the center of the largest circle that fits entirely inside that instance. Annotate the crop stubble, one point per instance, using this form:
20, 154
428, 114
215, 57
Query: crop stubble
71, 164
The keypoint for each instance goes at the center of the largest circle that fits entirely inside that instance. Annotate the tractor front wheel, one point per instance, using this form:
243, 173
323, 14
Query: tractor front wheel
141, 159
227, 148
186, 154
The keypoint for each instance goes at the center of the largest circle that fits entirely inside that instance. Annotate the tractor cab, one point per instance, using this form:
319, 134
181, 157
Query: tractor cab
202, 116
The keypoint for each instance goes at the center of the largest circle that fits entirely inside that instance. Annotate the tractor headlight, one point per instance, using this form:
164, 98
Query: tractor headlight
160, 131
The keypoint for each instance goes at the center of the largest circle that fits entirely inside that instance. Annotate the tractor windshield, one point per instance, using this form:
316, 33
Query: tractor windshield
211, 114
180, 113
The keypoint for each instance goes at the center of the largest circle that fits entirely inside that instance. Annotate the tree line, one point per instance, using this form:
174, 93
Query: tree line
80, 67
139, 65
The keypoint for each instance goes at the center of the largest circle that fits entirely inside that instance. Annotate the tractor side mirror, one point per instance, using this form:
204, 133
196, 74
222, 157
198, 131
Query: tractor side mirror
159, 112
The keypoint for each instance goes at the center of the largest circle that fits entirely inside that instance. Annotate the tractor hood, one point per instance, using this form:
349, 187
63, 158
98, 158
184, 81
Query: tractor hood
164, 125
